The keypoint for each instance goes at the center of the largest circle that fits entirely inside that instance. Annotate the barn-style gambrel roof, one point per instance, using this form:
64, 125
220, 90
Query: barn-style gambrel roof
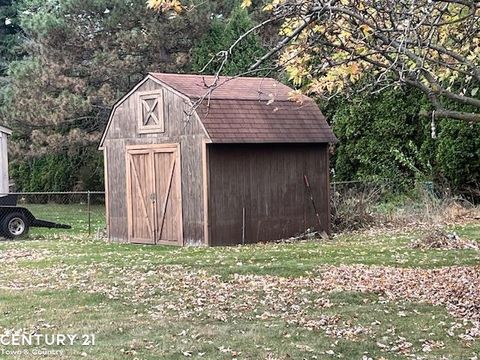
247, 109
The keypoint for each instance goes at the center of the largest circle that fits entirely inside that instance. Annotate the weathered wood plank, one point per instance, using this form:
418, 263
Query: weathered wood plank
179, 128
268, 182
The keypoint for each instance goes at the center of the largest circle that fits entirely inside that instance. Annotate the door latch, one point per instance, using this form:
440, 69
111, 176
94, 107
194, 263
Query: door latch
153, 197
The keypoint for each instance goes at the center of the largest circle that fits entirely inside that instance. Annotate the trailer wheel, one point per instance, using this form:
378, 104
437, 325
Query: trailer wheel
14, 225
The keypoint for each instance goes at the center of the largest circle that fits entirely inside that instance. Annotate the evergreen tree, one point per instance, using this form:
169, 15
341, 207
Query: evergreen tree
80, 58
222, 34
379, 138
9, 34
9, 40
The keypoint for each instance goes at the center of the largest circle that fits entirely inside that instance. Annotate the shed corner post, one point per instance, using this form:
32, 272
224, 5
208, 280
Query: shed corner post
329, 191
4, 183
106, 186
206, 177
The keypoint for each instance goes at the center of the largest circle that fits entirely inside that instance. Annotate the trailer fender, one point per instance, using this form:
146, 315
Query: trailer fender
6, 210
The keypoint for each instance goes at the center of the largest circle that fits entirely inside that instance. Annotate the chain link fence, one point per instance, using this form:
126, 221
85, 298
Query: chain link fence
354, 204
360, 204
84, 211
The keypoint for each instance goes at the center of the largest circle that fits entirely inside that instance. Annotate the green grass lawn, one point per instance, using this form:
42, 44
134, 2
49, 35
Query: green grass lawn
75, 215
251, 302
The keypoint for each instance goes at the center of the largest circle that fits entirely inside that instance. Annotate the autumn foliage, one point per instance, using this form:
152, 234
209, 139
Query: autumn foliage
328, 46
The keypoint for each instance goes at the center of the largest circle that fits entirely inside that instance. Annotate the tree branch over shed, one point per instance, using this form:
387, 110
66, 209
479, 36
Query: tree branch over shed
341, 46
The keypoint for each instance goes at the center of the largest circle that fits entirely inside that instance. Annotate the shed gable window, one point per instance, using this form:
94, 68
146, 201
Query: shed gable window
150, 112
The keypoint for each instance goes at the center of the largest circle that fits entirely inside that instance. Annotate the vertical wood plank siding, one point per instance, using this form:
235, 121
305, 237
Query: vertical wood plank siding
267, 180
180, 129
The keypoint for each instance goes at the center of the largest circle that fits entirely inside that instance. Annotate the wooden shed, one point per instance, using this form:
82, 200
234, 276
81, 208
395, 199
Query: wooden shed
4, 132
229, 168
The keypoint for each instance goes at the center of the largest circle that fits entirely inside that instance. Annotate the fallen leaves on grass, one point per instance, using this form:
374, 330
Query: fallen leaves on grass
188, 293
174, 291
457, 288
15, 254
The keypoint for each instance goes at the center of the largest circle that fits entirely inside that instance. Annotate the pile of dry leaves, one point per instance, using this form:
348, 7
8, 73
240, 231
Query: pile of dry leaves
440, 239
457, 287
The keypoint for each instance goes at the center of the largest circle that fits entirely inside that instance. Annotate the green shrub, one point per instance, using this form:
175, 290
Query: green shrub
458, 156
382, 138
379, 137
58, 172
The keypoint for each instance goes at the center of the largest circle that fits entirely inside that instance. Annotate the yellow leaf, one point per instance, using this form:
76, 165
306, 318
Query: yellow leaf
246, 3
268, 7
296, 96
367, 30
165, 5
154, 4
318, 28
177, 6
344, 35
354, 69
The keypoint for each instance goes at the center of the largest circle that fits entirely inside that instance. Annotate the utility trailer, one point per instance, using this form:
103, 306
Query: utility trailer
15, 221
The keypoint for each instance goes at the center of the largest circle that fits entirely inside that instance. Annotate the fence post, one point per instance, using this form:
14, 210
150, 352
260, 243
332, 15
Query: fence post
89, 214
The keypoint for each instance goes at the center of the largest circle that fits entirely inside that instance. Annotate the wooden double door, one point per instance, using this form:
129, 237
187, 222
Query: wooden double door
154, 194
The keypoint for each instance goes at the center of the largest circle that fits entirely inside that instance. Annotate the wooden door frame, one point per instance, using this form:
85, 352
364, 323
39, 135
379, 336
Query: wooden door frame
151, 149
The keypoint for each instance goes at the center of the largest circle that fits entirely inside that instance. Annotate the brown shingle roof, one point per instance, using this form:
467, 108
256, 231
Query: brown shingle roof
238, 110
253, 121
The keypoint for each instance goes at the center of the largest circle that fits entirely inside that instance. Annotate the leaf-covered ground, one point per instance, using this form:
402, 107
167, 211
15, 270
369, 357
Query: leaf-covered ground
356, 297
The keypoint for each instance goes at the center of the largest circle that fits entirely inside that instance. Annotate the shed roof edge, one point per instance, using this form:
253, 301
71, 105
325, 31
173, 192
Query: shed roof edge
5, 130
